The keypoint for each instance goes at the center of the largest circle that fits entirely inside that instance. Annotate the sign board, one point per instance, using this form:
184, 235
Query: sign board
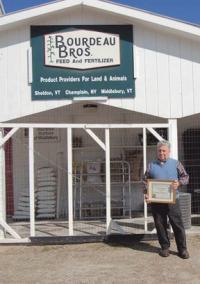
44, 135
82, 61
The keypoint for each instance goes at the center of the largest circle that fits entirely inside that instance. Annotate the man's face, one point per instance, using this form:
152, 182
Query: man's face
163, 153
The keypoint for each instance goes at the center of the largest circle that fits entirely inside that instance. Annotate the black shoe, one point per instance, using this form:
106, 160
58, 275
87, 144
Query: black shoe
184, 254
164, 252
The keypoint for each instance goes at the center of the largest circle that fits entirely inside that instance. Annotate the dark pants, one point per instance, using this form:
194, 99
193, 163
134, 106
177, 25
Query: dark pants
160, 213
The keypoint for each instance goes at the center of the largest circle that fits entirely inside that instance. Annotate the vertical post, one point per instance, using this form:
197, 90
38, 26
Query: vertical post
31, 182
2, 185
59, 159
108, 189
173, 138
144, 169
70, 179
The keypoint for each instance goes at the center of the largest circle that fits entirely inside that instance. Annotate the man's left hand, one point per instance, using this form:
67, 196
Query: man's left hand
175, 184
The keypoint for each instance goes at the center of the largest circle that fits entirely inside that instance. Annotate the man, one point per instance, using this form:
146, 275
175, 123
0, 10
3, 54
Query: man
168, 169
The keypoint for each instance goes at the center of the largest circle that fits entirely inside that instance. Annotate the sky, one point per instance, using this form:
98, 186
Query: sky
185, 10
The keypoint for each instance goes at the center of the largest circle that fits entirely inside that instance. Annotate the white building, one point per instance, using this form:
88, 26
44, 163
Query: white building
89, 81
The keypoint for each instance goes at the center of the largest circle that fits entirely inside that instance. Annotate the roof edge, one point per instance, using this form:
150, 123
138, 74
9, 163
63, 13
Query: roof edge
105, 6
24, 15
145, 16
155, 14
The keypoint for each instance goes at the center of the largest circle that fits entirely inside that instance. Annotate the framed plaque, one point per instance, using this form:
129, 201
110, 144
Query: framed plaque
160, 191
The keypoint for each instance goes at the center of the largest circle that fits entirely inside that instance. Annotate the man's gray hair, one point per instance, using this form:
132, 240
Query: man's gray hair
163, 143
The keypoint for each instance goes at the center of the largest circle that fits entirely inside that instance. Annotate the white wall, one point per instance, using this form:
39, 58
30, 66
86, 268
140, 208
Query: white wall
168, 69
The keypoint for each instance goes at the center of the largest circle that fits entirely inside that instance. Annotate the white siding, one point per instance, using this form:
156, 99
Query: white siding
163, 75
151, 79
175, 77
196, 75
187, 78
139, 53
169, 74
167, 83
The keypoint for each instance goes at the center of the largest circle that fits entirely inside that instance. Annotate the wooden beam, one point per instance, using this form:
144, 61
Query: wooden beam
89, 126
31, 183
70, 181
10, 134
108, 187
155, 134
96, 138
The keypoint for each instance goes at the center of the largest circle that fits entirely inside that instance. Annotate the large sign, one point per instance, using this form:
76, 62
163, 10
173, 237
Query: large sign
82, 49
82, 61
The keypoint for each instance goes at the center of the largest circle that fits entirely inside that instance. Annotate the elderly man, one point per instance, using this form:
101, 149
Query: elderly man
167, 168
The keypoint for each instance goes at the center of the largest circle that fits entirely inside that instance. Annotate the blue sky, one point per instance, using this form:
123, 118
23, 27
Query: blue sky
181, 9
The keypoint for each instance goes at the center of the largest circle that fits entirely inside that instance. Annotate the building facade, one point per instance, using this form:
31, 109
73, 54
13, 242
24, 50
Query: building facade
87, 89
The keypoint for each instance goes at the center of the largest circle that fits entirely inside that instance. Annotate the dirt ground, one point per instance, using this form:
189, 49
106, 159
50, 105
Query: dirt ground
99, 263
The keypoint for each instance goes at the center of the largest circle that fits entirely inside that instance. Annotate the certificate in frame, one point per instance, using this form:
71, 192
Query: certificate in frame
160, 191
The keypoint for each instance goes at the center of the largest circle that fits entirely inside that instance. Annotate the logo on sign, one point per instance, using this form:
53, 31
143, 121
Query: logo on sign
82, 49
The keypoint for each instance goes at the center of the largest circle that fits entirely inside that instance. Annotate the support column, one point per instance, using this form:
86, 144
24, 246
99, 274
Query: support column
108, 189
144, 169
173, 138
2, 186
31, 182
70, 180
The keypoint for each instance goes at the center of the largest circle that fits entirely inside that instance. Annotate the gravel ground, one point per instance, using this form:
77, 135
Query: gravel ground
99, 263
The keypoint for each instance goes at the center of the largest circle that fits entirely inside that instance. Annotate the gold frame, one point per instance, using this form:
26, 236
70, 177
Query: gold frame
169, 198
